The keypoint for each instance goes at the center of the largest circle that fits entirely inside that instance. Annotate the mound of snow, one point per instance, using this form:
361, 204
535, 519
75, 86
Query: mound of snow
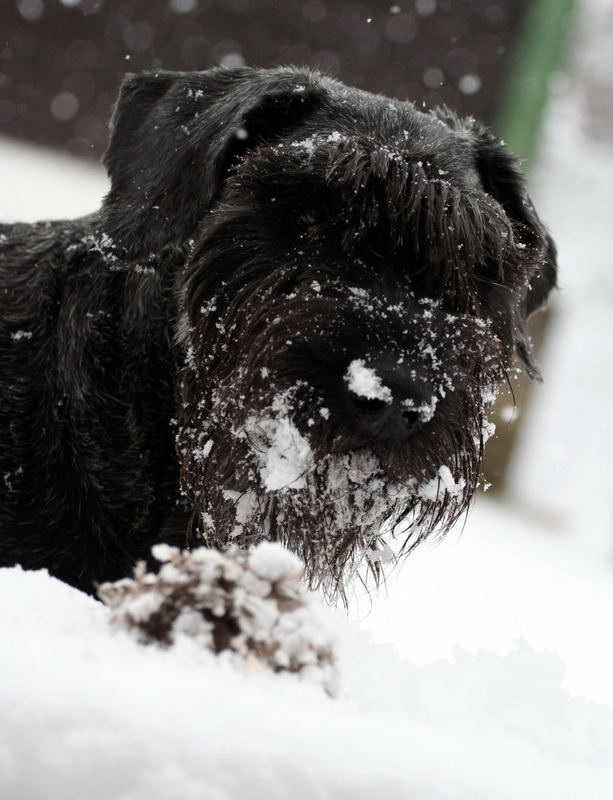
87, 711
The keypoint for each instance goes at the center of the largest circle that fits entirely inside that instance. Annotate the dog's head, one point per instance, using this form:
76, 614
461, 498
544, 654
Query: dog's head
360, 278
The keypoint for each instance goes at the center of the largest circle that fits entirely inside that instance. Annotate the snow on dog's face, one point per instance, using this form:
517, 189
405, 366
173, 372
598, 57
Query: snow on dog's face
354, 298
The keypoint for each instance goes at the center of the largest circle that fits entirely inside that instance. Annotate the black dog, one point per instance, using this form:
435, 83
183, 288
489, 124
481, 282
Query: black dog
286, 322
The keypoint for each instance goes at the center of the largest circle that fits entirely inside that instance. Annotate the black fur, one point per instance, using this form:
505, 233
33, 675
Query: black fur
265, 230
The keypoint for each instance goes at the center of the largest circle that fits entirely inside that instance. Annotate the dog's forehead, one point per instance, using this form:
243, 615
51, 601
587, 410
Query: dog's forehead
388, 131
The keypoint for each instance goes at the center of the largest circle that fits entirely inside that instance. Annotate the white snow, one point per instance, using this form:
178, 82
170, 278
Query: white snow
269, 561
249, 606
91, 713
245, 503
17, 335
202, 453
424, 410
310, 144
443, 482
44, 184
285, 456
364, 382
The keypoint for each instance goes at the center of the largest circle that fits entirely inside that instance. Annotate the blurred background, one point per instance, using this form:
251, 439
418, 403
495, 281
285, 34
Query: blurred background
536, 558
63, 61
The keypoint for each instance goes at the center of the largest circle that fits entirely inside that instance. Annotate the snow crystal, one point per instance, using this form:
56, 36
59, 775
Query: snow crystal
18, 335
382, 555
202, 453
64, 106
244, 505
425, 410
306, 144
162, 551
311, 142
363, 466
433, 77
31, 9
231, 60
489, 395
364, 382
488, 429
444, 480
104, 245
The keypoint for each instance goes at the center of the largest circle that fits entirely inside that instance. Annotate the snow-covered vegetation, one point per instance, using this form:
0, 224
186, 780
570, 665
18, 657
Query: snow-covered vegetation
250, 605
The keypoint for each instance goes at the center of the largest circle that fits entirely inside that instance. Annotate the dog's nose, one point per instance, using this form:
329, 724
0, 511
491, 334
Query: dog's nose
386, 399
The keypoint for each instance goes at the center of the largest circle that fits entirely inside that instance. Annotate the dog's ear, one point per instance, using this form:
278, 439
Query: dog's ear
501, 177
174, 136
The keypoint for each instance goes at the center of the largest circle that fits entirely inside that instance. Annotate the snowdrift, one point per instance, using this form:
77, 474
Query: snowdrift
87, 711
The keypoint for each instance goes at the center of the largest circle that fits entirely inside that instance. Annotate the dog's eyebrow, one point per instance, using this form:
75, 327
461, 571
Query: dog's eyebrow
416, 197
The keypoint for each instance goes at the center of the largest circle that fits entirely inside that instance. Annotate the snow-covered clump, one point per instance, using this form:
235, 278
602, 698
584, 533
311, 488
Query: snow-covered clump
443, 482
287, 456
251, 604
284, 455
365, 382
425, 411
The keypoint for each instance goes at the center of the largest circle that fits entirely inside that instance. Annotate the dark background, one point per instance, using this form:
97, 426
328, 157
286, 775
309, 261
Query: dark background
61, 61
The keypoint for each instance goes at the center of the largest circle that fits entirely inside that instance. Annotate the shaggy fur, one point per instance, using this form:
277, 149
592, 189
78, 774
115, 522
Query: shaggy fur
177, 366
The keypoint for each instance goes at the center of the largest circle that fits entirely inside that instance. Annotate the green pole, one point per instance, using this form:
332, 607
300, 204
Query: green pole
540, 51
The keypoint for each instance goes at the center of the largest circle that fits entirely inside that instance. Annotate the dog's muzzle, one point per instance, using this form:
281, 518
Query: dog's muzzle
386, 399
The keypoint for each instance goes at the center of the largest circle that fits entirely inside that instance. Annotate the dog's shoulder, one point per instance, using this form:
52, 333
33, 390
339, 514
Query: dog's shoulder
48, 243
35, 261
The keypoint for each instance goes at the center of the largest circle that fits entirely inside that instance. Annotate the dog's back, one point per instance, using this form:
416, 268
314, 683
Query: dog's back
87, 391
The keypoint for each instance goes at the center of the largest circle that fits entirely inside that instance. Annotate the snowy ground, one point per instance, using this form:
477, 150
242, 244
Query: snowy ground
87, 714
40, 184
90, 715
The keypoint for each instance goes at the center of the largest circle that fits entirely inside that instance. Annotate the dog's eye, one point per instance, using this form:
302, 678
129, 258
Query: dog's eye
311, 217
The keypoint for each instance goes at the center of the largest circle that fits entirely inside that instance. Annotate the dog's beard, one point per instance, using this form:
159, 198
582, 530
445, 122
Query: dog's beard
263, 462
338, 510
